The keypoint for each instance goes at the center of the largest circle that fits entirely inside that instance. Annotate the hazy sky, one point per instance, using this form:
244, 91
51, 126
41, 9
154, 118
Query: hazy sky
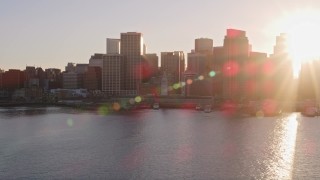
50, 33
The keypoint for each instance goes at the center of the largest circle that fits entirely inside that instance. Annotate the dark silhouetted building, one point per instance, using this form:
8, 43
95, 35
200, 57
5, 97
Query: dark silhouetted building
197, 63
204, 46
217, 75
112, 74
53, 78
96, 60
236, 47
173, 64
131, 48
281, 67
13, 79
92, 78
150, 66
309, 81
255, 80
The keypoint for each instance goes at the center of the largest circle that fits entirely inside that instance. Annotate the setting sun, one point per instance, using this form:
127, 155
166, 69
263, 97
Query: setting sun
303, 35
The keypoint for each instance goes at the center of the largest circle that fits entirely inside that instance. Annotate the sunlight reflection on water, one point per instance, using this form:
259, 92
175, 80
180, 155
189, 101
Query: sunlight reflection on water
283, 150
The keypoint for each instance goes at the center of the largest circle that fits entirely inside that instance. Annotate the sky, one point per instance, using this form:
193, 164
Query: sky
51, 33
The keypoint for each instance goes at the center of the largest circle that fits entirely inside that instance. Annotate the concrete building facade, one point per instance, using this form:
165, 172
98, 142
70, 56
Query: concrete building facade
113, 46
112, 74
131, 49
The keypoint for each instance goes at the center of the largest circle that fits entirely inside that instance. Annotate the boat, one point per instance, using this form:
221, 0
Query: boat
198, 107
155, 106
310, 111
207, 108
268, 108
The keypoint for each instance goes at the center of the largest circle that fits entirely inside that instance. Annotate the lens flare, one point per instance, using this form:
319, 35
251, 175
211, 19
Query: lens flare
230, 68
103, 110
176, 86
212, 73
132, 101
70, 122
116, 106
138, 99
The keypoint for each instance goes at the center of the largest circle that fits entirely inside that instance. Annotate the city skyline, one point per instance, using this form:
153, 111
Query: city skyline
50, 34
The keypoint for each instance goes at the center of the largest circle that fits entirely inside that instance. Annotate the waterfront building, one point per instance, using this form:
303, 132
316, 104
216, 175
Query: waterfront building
149, 66
131, 49
113, 46
173, 63
92, 78
256, 84
70, 67
309, 81
31, 79
13, 79
81, 69
204, 45
53, 78
96, 60
112, 74
190, 89
164, 85
197, 63
71, 80
216, 71
236, 48
282, 71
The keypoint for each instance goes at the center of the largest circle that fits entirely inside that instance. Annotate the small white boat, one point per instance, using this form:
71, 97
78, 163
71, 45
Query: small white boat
198, 107
207, 109
155, 106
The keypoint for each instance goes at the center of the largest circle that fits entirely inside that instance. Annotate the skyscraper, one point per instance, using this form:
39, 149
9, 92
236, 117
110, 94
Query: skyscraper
197, 63
204, 45
96, 60
112, 74
309, 78
113, 46
131, 49
282, 70
150, 65
236, 48
173, 64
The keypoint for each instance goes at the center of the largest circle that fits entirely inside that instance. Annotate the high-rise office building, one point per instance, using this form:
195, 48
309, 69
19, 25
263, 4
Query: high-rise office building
92, 78
13, 79
236, 48
282, 72
71, 80
150, 66
96, 60
53, 78
197, 63
204, 45
131, 49
217, 63
113, 46
112, 74
309, 78
173, 63
256, 85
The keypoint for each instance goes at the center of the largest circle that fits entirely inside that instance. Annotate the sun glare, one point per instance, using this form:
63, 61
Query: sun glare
303, 35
